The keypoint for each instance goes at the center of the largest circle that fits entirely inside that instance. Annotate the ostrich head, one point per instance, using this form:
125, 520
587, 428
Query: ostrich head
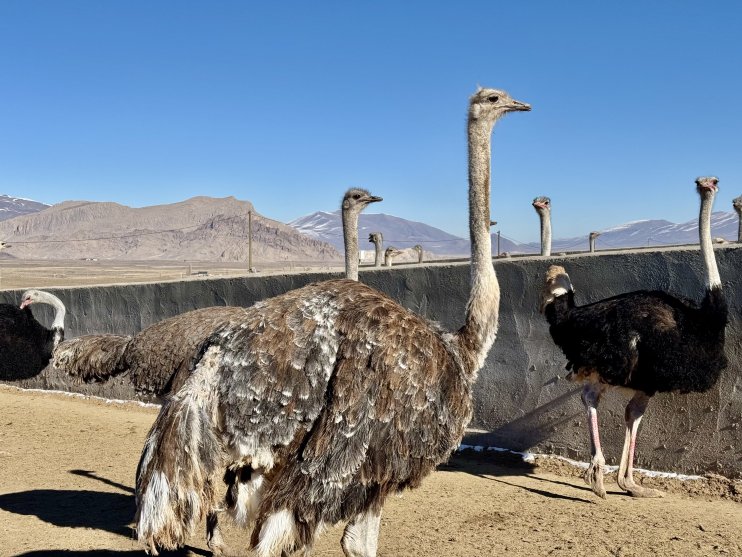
542, 205
375, 237
34, 296
707, 186
557, 284
737, 204
357, 199
594, 235
491, 104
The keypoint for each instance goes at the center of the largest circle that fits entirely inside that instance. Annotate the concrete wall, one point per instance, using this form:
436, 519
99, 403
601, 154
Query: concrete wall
522, 400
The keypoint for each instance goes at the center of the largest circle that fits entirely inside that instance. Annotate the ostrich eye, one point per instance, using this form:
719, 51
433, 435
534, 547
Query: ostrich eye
493, 98
356, 196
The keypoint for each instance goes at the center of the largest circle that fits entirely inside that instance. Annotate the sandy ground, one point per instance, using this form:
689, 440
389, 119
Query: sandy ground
66, 479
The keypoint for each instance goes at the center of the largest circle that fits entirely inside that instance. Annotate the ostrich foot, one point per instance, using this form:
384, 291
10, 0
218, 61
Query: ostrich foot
636, 490
594, 478
215, 543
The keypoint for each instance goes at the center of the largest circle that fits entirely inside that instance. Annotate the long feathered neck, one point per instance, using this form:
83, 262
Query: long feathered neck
59, 314
379, 254
350, 238
545, 232
482, 311
739, 228
707, 250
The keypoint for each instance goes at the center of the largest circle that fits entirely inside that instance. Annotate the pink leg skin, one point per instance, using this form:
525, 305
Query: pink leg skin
591, 394
634, 412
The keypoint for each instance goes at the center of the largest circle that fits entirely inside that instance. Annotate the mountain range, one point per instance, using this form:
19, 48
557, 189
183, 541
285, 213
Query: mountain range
200, 228
215, 229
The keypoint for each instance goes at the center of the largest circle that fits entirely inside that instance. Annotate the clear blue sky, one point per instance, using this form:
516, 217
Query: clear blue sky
289, 103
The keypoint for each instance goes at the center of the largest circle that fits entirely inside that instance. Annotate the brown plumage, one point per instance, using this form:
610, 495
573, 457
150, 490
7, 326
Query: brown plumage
323, 400
159, 359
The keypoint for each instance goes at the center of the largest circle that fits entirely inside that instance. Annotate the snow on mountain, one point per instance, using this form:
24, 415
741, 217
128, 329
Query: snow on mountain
403, 233
11, 206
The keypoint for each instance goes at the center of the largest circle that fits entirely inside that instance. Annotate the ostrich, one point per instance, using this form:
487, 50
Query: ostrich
26, 346
543, 208
389, 254
737, 204
377, 239
354, 201
419, 250
157, 359
591, 239
644, 341
328, 398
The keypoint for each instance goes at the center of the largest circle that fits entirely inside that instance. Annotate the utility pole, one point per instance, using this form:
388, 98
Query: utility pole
249, 241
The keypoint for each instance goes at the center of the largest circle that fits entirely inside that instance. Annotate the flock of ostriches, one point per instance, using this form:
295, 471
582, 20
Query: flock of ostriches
315, 405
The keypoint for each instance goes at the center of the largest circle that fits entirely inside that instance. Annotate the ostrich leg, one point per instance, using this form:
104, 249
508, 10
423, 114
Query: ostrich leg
361, 536
634, 412
591, 394
214, 539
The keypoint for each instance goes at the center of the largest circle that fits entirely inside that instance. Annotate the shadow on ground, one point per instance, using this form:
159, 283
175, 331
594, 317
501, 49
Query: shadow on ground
111, 512
185, 552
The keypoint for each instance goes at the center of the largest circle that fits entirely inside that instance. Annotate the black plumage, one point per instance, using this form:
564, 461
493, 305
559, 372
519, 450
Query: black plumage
648, 341
26, 346
644, 341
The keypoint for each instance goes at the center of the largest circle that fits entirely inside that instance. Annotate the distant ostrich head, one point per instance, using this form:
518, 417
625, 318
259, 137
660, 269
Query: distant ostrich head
492, 104
375, 237
737, 204
389, 254
356, 199
707, 185
594, 235
542, 205
557, 284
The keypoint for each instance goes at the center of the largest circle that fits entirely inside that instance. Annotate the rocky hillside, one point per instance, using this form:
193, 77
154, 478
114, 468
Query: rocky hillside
200, 228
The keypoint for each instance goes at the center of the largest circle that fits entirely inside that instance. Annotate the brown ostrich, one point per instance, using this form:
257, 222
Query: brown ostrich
327, 398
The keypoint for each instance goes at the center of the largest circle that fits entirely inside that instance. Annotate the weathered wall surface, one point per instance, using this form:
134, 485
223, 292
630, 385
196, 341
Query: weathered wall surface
522, 401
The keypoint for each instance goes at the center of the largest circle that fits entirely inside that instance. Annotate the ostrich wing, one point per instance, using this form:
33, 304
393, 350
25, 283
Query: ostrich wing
161, 357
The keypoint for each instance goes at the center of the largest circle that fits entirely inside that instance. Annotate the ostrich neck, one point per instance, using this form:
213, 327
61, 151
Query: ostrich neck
379, 255
592, 244
350, 238
545, 233
739, 229
482, 311
707, 249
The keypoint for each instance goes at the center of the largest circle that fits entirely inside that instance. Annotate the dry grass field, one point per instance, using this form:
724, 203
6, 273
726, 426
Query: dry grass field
67, 481
17, 274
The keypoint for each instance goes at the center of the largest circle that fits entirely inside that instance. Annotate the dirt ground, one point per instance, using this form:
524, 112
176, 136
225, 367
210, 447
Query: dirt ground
66, 481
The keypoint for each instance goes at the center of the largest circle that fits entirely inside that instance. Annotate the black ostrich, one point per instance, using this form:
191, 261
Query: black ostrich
644, 341
25, 344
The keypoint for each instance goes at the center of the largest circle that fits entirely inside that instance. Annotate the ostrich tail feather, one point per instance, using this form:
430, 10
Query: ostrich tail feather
177, 472
92, 357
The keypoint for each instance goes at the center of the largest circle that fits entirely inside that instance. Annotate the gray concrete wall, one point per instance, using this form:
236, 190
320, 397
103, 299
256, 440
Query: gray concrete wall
522, 400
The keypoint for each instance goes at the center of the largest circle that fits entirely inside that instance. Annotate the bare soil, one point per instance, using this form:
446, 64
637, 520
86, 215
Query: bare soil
66, 482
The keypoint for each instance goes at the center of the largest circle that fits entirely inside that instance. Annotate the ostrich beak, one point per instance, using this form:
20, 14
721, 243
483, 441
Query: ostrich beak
26, 302
373, 199
517, 105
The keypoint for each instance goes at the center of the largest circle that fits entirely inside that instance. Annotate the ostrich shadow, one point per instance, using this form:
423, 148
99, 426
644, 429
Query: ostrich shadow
184, 552
67, 508
518, 436
112, 512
